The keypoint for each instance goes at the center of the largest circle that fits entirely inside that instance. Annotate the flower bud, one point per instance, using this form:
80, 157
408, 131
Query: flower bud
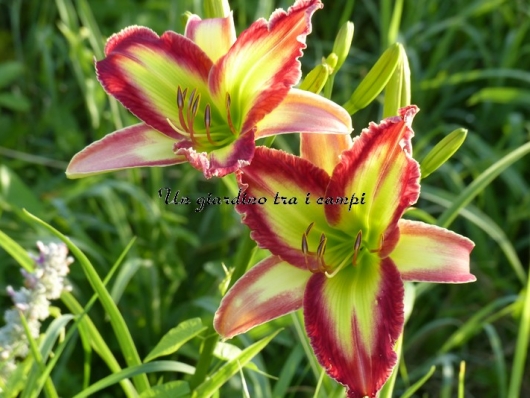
332, 61
375, 81
442, 151
342, 44
216, 8
316, 79
184, 17
397, 90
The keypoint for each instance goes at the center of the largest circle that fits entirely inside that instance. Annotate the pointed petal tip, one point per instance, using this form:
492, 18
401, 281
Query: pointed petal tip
305, 112
428, 253
263, 64
407, 113
133, 146
270, 289
136, 31
214, 36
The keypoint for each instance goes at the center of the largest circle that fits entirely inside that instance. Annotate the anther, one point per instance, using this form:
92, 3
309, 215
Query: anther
357, 246
196, 105
181, 97
309, 228
229, 116
207, 122
191, 103
322, 246
305, 247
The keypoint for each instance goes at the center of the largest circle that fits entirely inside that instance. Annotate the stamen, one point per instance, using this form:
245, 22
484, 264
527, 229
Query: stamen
181, 96
178, 130
229, 116
305, 247
357, 246
207, 122
322, 246
309, 228
381, 241
196, 105
190, 115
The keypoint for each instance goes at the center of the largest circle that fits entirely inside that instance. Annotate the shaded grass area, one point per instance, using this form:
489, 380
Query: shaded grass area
469, 67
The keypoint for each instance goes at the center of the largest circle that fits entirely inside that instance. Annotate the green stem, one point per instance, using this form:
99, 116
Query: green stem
203, 365
388, 388
521, 347
298, 322
243, 257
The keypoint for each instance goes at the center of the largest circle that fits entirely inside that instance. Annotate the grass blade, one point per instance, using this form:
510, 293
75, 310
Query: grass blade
116, 319
176, 338
17, 252
133, 371
415, 387
521, 346
211, 385
480, 183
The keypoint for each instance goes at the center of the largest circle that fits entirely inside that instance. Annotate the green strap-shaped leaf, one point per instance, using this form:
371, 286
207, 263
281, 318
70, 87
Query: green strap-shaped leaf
17, 252
480, 183
15, 193
157, 366
413, 388
176, 338
173, 389
211, 385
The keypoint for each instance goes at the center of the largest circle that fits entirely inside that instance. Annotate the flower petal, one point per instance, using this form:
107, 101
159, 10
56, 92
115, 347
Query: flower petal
353, 321
324, 150
222, 161
379, 166
143, 71
134, 146
427, 253
278, 225
263, 65
214, 36
270, 289
305, 112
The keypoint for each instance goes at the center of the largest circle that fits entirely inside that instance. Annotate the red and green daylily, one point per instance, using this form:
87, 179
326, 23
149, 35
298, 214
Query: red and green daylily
205, 96
343, 263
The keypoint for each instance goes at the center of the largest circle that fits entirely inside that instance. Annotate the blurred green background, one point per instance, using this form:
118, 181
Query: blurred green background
470, 67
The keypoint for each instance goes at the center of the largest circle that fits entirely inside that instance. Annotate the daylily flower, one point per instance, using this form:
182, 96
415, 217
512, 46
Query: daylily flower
204, 97
344, 264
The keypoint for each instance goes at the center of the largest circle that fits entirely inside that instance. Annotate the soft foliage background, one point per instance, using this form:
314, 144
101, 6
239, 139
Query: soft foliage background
469, 63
